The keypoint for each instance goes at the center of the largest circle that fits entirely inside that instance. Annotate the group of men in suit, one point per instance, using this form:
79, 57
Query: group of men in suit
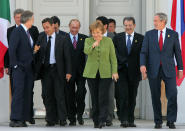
57, 58
54, 57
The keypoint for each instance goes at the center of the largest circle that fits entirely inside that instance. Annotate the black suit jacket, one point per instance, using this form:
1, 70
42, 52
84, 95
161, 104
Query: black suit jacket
62, 56
133, 59
20, 50
34, 32
78, 56
62, 33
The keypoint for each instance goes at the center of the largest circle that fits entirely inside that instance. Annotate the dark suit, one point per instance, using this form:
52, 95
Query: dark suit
76, 104
21, 60
34, 35
161, 66
129, 75
53, 77
62, 33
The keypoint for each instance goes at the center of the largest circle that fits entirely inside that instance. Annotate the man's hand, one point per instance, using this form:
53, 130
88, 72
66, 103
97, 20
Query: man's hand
143, 69
68, 77
180, 74
144, 76
143, 72
7, 71
115, 77
36, 48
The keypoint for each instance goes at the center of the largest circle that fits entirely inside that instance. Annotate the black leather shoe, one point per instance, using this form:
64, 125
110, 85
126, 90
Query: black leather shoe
96, 125
50, 124
17, 124
101, 124
171, 125
109, 123
131, 124
12, 124
57, 122
81, 121
158, 126
72, 123
63, 123
124, 124
32, 121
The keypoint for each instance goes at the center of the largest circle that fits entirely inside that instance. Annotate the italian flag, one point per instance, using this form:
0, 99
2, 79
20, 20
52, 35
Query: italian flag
4, 22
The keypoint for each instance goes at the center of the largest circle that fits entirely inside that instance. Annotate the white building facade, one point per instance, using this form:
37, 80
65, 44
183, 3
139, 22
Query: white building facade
87, 11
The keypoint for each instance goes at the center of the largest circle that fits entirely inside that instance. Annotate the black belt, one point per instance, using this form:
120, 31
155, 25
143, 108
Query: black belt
52, 65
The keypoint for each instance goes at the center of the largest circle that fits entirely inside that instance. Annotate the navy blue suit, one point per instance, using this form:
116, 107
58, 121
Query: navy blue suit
21, 60
161, 66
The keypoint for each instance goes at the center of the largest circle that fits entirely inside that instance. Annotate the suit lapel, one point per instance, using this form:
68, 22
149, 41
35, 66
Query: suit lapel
134, 42
124, 42
79, 41
166, 38
156, 41
25, 35
56, 42
44, 41
70, 41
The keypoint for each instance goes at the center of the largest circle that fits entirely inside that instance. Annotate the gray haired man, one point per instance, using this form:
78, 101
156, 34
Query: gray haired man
159, 47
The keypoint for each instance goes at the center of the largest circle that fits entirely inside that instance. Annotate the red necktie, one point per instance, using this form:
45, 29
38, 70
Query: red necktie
161, 41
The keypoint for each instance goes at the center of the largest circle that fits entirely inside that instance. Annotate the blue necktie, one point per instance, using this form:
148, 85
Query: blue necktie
129, 44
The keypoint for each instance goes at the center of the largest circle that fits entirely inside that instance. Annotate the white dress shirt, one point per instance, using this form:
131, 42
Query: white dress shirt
25, 28
163, 33
72, 39
131, 37
105, 34
52, 50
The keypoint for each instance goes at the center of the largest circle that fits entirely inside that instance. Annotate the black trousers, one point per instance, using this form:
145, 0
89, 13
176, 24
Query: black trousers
76, 91
99, 89
53, 95
22, 97
126, 93
171, 94
11, 80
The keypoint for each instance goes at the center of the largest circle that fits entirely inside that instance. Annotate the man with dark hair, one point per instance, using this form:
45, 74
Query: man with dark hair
55, 67
128, 45
21, 59
105, 22
112, 26
56, 22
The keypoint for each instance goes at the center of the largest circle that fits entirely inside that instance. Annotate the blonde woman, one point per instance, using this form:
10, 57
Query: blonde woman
100, 69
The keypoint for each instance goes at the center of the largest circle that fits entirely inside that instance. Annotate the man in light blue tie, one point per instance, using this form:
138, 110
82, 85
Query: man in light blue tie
127, 45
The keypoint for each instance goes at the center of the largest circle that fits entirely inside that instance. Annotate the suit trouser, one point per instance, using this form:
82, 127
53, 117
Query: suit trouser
11, 81
75, 97
22, 99
99, 89
127, 92
111, 103
117, 101
53, 95
171, 94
